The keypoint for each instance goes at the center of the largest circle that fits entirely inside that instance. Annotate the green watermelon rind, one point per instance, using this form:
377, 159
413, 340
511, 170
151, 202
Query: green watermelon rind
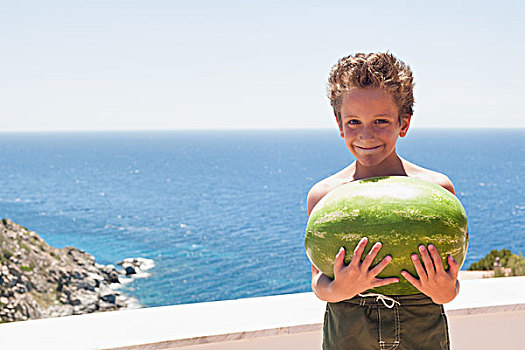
400, 212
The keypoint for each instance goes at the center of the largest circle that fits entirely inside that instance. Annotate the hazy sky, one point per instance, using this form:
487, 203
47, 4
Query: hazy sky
128, 65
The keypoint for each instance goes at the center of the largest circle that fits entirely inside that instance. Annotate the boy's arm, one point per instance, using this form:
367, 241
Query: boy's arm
320, 284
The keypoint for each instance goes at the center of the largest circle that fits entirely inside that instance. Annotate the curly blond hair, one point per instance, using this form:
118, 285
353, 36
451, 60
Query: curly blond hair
373, 70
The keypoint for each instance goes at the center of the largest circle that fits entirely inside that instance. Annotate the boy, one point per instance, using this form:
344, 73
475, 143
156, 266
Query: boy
372, 98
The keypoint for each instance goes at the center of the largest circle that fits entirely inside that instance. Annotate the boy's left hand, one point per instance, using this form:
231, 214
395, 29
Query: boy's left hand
440, 285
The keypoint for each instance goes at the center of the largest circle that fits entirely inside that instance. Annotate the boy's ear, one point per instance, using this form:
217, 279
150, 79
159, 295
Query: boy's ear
405, 124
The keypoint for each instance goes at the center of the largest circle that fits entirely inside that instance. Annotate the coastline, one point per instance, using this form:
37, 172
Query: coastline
40, 281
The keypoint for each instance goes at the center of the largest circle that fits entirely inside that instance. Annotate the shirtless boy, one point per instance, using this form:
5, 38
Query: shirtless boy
372, 98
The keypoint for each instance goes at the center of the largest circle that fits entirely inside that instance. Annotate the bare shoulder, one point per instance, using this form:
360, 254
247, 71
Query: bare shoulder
440, 179
320, 189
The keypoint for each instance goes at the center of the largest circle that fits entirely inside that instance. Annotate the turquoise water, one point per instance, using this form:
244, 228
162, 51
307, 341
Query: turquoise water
223, 213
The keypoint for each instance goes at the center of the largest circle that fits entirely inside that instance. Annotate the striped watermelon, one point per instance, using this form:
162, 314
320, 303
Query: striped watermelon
398, 211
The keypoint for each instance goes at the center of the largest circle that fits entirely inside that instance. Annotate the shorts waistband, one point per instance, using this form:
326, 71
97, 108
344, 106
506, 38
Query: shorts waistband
403, 300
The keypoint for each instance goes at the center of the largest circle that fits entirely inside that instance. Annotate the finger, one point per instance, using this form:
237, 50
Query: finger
427, 261
378, 282
411, 279
419, 268
376, 270
453, 268
371, 255
339, 260
436, 258
358, 252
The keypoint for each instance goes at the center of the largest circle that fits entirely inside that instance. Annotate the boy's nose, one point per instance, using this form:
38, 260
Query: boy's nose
366, 133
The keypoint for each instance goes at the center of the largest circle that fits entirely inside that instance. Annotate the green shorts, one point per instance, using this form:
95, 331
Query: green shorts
415, 322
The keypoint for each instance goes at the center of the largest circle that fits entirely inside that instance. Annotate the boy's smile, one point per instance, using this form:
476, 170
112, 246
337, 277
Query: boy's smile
370, 126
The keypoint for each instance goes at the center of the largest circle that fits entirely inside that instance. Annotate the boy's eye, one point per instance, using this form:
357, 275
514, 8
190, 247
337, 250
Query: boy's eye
381, 121
353, 122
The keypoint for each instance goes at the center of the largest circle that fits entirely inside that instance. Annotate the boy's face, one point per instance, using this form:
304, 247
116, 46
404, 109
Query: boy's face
370, 125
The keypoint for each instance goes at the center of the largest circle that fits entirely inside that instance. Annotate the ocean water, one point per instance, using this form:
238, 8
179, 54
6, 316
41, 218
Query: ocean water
223, 213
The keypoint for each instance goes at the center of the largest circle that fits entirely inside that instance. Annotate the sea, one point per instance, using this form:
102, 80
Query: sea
223, 213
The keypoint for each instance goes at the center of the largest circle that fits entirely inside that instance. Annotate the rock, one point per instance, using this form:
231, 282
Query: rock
110, 273
64, 299
130, 270
37, 280
113, 277
88, 284
137, 266
110, 298
26, 282
104, 306
14, 270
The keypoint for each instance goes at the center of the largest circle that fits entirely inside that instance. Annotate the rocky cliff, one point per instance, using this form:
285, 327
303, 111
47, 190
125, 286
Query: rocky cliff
37, 280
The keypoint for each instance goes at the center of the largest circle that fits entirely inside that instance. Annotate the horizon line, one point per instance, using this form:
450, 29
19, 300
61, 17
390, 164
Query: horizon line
243, 129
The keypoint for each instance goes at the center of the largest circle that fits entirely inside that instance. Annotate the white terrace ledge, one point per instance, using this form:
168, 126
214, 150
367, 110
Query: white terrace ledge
487, 314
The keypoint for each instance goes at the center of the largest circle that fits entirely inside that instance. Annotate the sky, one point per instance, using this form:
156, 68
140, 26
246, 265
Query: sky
162, 65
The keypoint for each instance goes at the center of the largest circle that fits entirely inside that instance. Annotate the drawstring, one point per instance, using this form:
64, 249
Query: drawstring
383, 298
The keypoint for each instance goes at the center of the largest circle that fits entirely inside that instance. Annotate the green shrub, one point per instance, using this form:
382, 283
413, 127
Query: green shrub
517, 264
506, 259
29, 268
487, 263
6, 253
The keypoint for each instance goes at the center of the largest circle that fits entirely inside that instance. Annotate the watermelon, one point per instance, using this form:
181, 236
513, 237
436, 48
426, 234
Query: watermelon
398, 211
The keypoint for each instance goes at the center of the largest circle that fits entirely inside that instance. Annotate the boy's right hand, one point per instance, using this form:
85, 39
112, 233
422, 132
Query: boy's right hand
356, 277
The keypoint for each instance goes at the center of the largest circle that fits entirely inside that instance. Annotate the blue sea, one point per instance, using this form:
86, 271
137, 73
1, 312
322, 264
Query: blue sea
223, 213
